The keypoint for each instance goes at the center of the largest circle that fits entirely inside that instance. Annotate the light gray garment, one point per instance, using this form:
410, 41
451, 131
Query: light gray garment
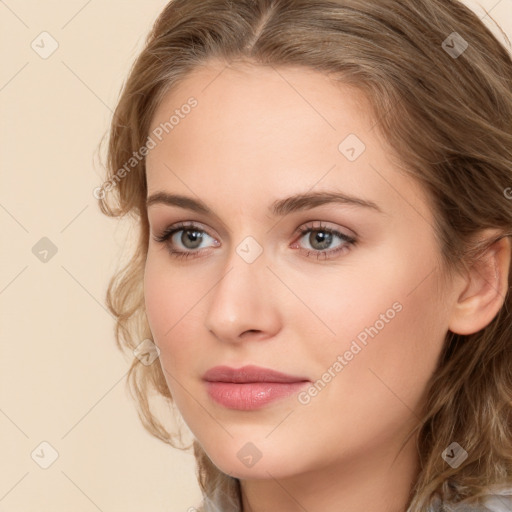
500, 501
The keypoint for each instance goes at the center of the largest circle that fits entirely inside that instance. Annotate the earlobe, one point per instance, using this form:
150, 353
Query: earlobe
483, 292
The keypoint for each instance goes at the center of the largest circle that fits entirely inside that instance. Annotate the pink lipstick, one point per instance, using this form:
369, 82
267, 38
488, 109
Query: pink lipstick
250, 387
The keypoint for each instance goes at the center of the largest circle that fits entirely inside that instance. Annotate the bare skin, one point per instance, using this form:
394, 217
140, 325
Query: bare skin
253, 139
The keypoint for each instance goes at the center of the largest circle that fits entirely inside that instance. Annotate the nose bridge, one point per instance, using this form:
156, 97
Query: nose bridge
240, 299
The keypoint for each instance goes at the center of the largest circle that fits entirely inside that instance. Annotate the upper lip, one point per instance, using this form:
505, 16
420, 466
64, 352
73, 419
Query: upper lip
249, 373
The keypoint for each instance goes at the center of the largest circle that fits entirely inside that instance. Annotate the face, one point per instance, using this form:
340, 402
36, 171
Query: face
343, 295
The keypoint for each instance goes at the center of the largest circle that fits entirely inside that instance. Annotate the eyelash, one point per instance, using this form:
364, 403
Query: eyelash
170, 231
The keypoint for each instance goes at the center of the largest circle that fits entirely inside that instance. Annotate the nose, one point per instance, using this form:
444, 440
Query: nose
243, 303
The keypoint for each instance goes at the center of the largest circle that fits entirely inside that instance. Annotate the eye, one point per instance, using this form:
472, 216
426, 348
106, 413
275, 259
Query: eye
192, 236
321, 237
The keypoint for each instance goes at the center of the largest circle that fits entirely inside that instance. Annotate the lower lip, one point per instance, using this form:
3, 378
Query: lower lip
252, 395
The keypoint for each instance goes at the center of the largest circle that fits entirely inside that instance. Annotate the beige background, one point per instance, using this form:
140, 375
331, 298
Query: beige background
61, 376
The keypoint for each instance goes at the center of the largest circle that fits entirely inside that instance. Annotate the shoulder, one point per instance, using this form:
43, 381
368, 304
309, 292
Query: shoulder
498, 500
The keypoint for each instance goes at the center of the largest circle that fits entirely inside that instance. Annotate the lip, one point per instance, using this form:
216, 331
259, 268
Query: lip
250, 387
249, 373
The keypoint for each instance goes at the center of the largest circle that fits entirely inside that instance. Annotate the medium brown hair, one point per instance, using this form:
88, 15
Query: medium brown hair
448, 117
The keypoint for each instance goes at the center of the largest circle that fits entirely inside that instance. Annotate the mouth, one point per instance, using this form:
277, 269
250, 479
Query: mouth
250, 387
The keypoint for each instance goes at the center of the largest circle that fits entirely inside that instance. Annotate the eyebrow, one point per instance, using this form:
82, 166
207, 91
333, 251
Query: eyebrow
280, 207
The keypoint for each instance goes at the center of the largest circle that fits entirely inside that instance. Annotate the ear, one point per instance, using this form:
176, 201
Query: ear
482, 293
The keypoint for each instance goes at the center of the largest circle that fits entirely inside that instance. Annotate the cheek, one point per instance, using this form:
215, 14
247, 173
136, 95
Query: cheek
379, 388
163, 304
158, 297
390, 334
384, 313
172, 302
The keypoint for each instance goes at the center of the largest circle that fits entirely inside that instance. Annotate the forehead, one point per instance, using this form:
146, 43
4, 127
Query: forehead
269, 130
236, 93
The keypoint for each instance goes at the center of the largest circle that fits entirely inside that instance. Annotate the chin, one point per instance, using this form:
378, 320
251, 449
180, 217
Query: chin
247, 462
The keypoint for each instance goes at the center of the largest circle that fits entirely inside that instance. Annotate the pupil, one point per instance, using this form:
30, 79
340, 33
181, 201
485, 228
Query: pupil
323, 237
193, 236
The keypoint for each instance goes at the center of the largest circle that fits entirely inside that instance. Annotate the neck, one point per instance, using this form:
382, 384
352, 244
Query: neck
380, 482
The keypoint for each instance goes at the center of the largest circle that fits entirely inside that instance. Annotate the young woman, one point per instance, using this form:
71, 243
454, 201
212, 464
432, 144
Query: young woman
323, 194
